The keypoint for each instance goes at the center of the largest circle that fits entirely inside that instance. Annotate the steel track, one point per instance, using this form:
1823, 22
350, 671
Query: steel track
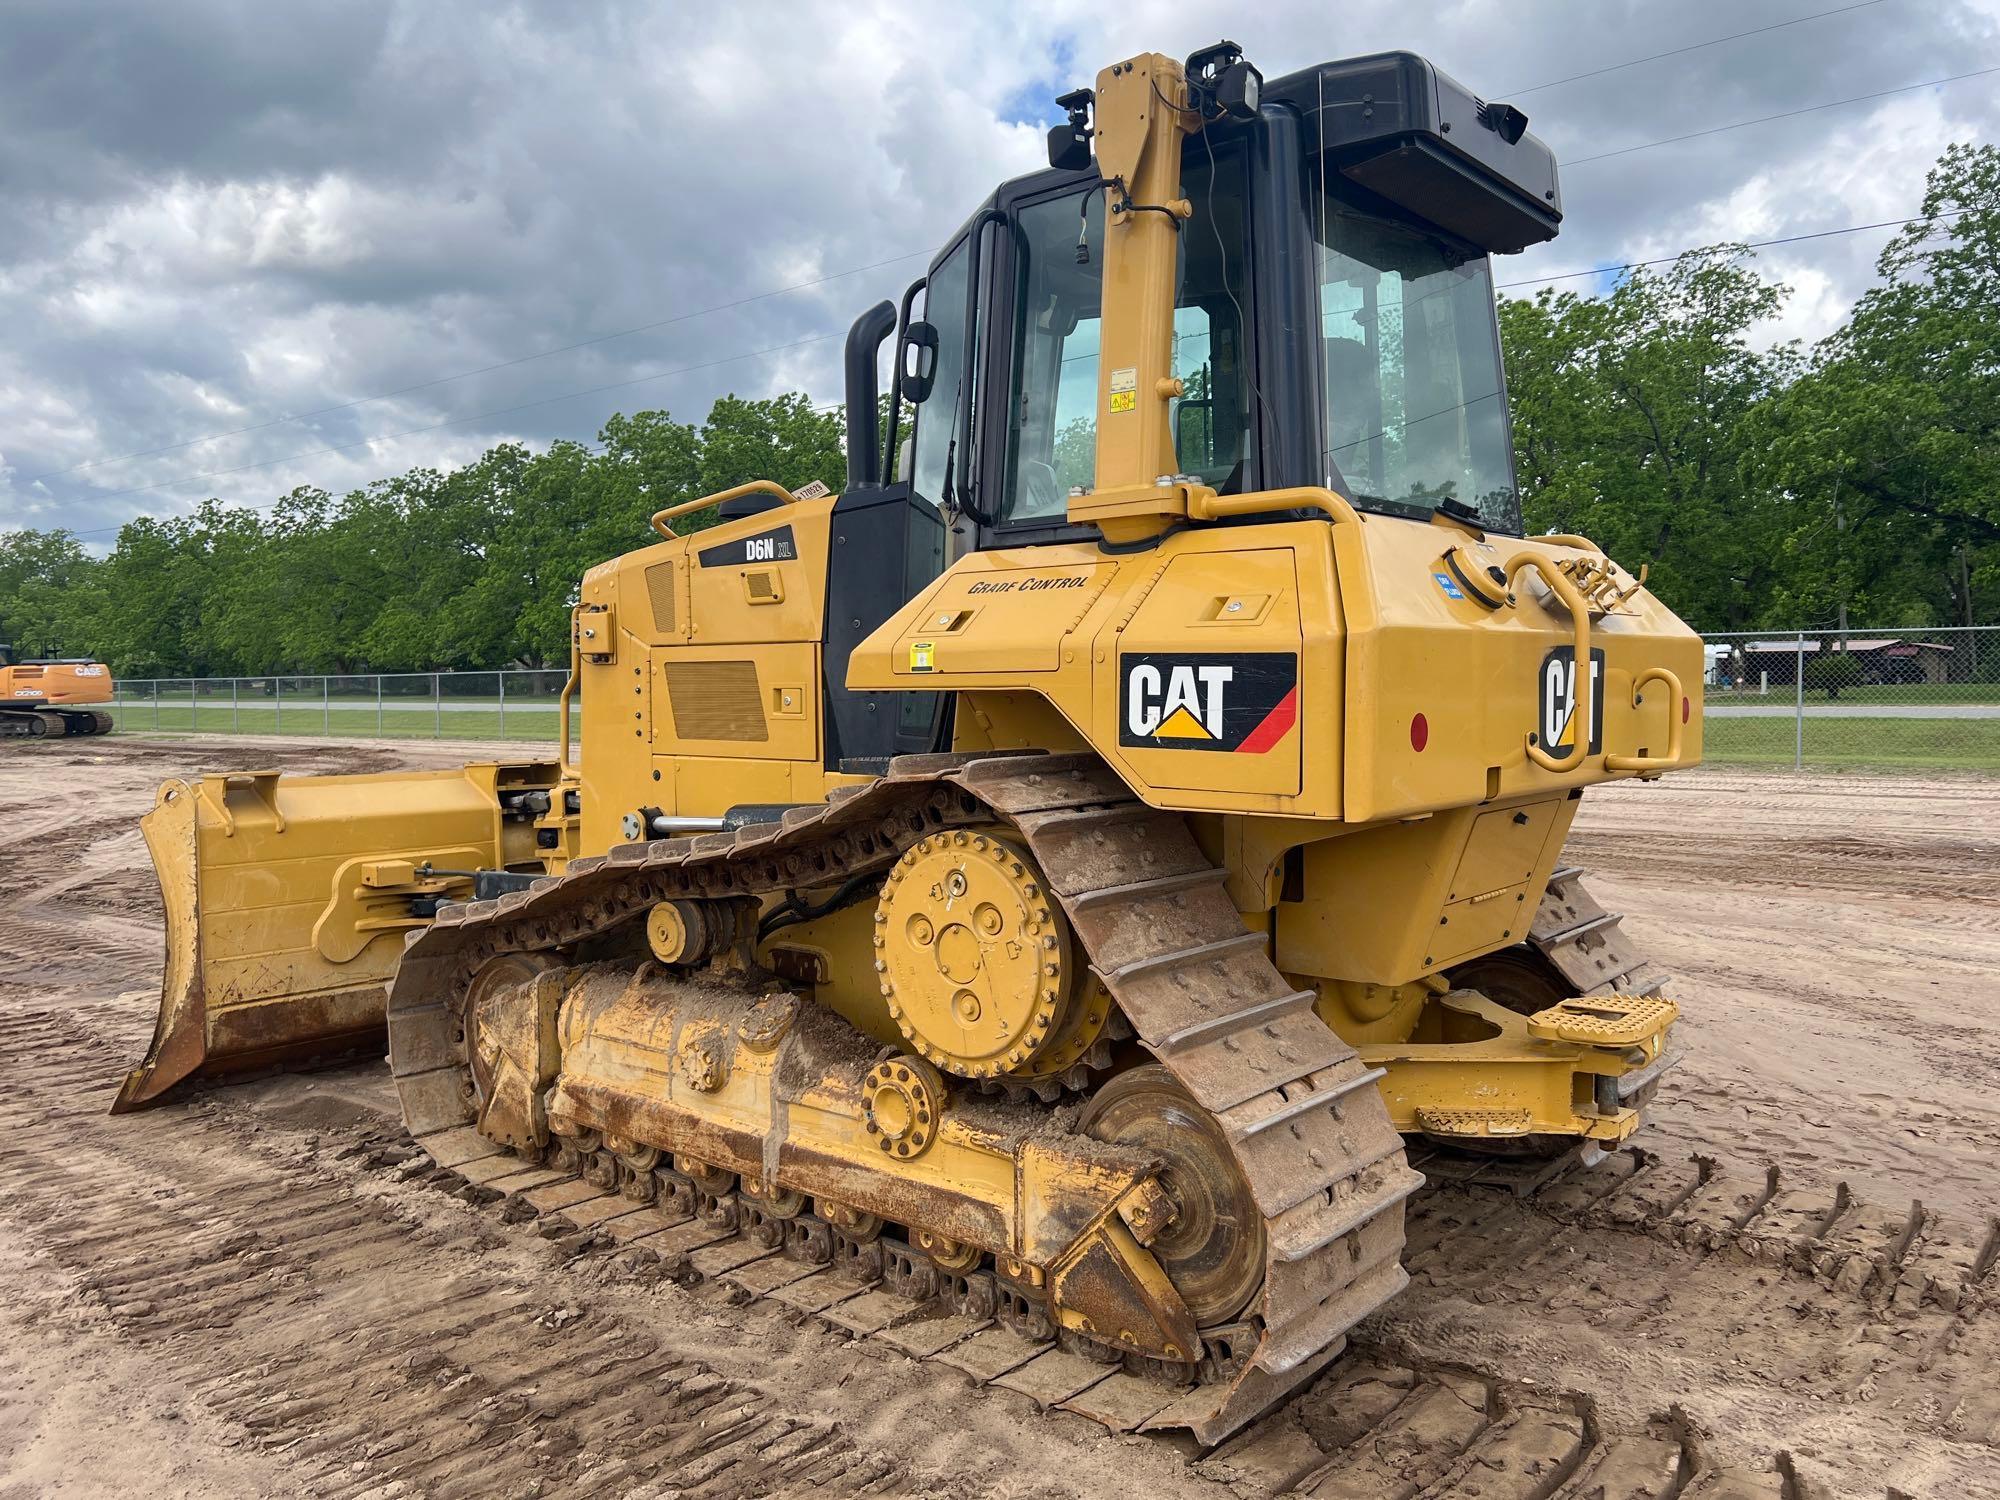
1308, 1131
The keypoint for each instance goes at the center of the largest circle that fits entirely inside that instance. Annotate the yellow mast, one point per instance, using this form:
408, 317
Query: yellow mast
1142, 115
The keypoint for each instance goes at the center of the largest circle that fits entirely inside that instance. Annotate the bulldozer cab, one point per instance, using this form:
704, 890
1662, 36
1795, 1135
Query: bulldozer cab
1332, 322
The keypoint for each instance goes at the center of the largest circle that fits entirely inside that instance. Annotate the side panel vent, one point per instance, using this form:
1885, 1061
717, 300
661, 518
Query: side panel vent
716, 700
660, 588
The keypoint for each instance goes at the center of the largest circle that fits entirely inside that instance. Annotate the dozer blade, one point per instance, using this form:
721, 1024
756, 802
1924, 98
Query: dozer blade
288, 900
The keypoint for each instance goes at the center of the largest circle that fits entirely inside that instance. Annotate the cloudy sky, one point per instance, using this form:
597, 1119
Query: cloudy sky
234, 235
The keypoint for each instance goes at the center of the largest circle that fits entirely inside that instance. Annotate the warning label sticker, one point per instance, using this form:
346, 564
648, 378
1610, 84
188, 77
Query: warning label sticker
1124, 389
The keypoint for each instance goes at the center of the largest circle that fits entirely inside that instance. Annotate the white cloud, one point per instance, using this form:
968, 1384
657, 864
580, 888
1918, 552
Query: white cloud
216, 218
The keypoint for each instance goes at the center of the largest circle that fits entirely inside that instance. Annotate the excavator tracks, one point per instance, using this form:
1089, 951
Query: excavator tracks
1307, 1130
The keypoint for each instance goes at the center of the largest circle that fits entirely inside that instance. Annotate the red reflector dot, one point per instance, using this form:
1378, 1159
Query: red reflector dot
1420, 732
1684, 710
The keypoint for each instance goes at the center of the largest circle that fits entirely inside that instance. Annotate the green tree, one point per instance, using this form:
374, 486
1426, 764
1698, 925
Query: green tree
783, 438
1630, 424
167, 585
1831, 672
1887, 448
47, 594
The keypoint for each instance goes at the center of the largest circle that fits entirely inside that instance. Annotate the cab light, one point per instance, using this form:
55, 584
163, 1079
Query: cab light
1420, 732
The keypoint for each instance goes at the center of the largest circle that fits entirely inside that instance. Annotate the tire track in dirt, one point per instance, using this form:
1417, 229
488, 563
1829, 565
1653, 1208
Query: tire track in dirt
195, 1244
1856, 1337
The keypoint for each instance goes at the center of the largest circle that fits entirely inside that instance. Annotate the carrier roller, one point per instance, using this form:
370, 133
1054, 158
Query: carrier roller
1219, 1216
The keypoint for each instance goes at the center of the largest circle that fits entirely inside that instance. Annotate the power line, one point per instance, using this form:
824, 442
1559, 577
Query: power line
1691, 47
776, 291
505, 364
1790, 239
1788, 114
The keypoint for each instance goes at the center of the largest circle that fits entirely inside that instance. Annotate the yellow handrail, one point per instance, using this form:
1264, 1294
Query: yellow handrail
1648, 763
1583, 714
1206, 505
569, 687
755, 486
1566, 539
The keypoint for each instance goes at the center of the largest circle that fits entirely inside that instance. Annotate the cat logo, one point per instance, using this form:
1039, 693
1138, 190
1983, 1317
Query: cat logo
1241, 702
1556, 721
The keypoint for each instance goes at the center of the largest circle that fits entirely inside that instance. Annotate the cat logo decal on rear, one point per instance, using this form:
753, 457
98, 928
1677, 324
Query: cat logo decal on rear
1241, 702
1556, 727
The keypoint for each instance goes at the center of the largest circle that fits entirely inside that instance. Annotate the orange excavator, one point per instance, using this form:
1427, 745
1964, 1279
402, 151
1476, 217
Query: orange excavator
52, 698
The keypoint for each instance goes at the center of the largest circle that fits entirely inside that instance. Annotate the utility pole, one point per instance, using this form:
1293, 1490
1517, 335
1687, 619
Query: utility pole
1840, 552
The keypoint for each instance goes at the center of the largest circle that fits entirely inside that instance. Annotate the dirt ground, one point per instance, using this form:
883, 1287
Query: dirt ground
1788, 1290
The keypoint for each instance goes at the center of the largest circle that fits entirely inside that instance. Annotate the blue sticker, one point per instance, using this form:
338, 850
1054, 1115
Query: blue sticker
1451, 590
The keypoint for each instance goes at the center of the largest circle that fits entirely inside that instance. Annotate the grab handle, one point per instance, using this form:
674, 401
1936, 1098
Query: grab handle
755, 486
1648, 763
1205, 505
1584, 713
568, 692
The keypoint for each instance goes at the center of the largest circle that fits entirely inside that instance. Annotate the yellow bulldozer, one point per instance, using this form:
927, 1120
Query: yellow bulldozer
1068, 868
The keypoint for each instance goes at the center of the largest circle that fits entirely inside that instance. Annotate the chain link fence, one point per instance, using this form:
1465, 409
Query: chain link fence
516, 705
1885, 699
1854, 699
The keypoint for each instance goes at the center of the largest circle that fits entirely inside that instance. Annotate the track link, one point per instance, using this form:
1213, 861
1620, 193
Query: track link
1311, 1137
1385, 1420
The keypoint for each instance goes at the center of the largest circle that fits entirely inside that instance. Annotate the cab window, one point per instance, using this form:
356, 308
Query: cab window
945, 308
1415, 410
1052, 421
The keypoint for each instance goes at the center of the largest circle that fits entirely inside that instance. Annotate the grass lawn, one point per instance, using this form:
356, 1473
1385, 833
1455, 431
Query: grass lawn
475, 719
1857, 744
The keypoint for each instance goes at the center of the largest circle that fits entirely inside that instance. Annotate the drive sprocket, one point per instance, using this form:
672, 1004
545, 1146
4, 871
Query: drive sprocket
975, 958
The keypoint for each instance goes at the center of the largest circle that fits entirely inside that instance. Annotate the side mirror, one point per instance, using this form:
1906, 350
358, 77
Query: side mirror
916, 362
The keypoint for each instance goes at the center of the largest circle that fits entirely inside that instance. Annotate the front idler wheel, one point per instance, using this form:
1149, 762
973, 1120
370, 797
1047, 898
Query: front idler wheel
1213, 1244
